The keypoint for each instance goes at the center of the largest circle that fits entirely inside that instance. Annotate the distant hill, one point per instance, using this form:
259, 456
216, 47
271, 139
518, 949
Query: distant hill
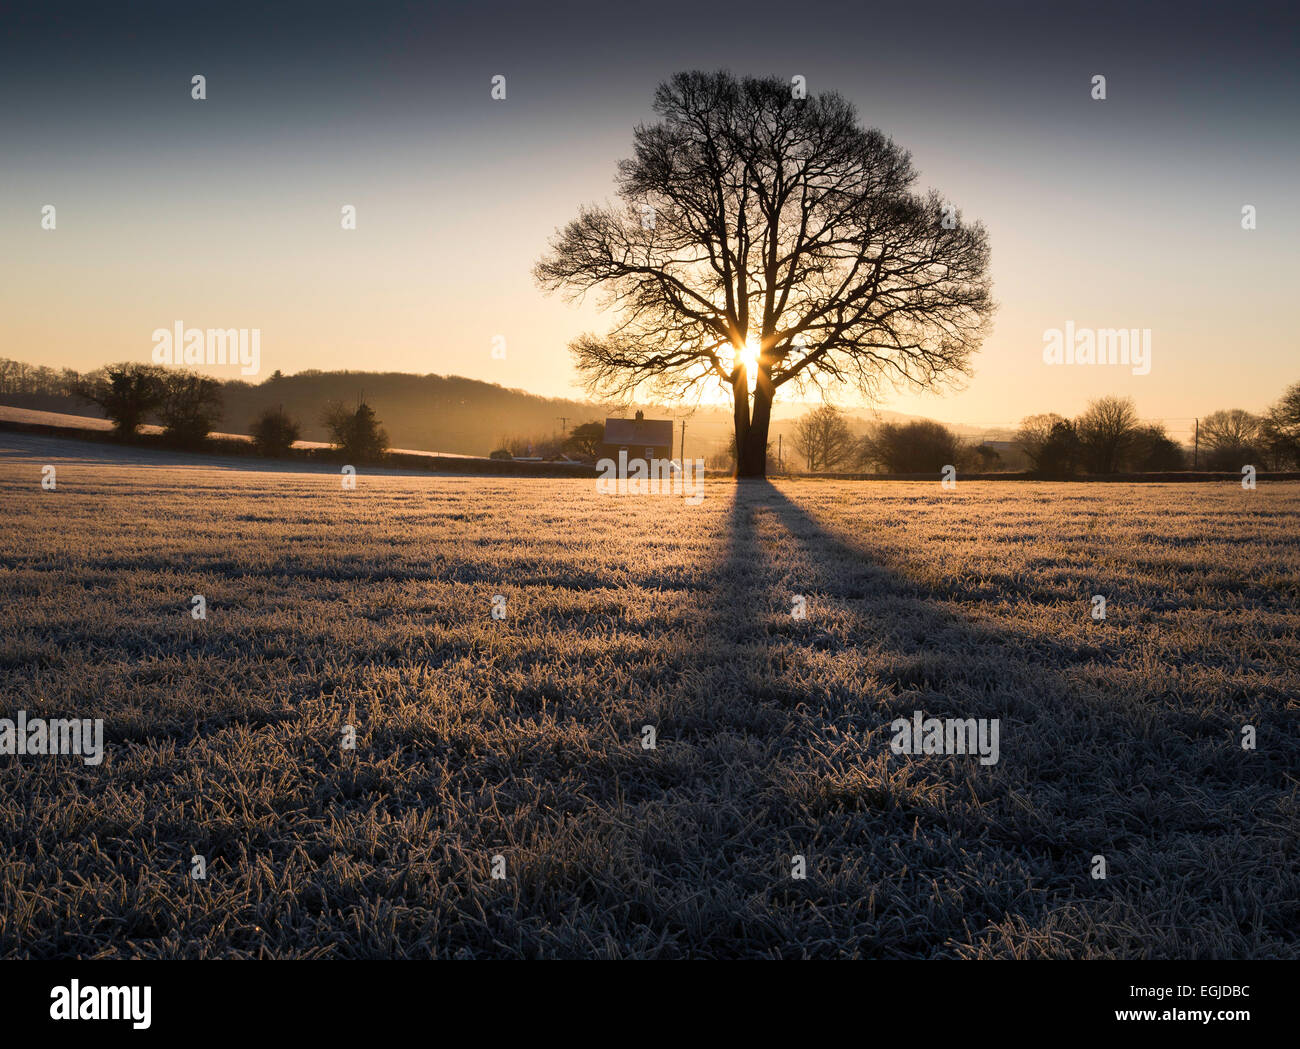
443, 413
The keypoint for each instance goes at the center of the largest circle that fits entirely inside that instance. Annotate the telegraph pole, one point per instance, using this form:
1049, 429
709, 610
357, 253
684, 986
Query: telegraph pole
780, 460
1196, 453
683, 463
564, 423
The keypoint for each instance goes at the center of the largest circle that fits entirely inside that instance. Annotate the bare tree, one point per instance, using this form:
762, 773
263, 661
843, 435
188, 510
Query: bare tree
191, 405
1035, 434
763, 239
1051, 444
126, 393
1154, 449
585, 439
1280, 430
356, 434
274, 432
921, 446
1108, 431
1230, 428
1233, 438
824, 439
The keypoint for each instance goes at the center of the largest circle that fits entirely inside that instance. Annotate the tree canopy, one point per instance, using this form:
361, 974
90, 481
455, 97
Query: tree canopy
761, 239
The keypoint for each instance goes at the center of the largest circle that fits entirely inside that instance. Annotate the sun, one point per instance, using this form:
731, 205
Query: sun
749, 355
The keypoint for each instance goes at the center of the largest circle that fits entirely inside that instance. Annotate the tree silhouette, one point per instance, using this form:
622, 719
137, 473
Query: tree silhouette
1051, 443
356, 434
756, 223
1154, 449
824, 439
1281, 429
274, 432
125, 392
1108, 432
923, 446
1232, 438
191, 406
585, 439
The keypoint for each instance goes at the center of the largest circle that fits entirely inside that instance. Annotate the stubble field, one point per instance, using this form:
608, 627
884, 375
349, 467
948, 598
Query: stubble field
522, 737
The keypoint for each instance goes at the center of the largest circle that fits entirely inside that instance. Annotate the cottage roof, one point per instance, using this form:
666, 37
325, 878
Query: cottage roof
648, 433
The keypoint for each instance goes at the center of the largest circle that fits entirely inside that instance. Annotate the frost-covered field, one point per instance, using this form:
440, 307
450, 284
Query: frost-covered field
522, 737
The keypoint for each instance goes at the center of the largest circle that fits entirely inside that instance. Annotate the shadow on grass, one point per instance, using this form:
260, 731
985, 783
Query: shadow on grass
773, 744
939, 855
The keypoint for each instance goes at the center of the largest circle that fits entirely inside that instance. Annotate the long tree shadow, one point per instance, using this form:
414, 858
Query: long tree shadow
942, 855
771, 817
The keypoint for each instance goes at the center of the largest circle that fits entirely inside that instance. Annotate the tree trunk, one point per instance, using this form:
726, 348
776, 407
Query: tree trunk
740, 415
752, 458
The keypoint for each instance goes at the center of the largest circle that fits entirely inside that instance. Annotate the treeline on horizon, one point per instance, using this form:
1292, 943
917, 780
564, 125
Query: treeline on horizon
370, 412
444, 413
1107, 438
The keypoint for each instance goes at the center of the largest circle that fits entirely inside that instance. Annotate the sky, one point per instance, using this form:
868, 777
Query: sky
1122, 213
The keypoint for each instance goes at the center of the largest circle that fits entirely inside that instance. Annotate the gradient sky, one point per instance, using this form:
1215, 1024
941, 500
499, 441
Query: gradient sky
225, 213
